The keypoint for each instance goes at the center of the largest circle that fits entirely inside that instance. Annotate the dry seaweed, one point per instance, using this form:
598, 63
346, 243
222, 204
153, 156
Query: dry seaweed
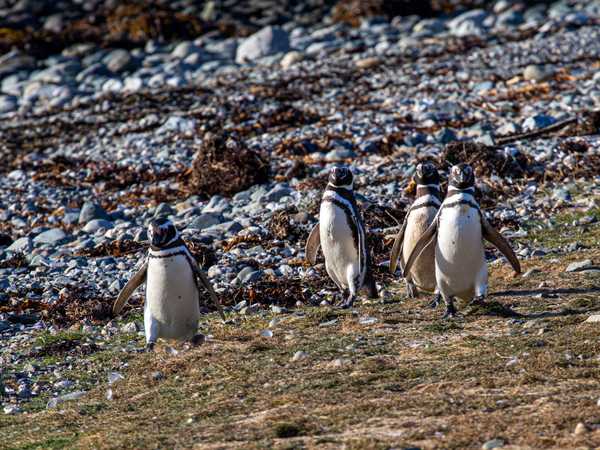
112, 248
486, 160
224, 165
73, 347
282, 225
82, 302
588, 123
204, 254
127, 25
353, 11
283, 292
15, 261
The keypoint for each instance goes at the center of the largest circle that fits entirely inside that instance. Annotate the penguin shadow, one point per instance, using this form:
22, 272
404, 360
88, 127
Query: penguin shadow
491, 308
545, 293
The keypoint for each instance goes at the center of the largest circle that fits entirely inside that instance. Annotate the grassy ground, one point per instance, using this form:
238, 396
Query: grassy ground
407, 380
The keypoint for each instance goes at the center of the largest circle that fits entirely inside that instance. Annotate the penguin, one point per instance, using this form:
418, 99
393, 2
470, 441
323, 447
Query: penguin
419, 216
457, 232
341, 233
173, 283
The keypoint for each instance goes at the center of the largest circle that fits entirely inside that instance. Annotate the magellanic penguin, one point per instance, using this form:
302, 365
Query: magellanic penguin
457, 232
421, 277
173, 283
341, 234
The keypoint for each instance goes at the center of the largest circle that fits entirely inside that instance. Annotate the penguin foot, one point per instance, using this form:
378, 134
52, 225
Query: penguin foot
198, 339
150, 347
450, 311
478, 301
435, 302
348, 303
411, 290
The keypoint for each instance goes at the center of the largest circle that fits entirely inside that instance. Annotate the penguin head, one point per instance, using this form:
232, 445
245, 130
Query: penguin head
427, 173
161, 232
341, 177
461, 176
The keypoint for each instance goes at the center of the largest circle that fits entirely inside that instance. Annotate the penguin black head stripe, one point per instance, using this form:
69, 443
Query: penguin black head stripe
341, 177
426, 173
462, 177
162, 232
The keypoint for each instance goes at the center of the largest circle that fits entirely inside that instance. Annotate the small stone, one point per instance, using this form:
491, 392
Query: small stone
445, 135
21, 245
157, 375
11, 409
290, 59
536, 73
531, 272
278, 309
241, 305
97, 224
249, 275
54, 236
206, 220
63, 384
579, 266
113, 377
580, 429
276, 194
249, 310
299, 356
493, 443
90, 211
367, 63
339, 155
266, 333
8, 103
54, 402
268, 41
594, 318
538, 121
118, 61
130, 327
338, 363
109, 394
171, 351
179, 125
367, 320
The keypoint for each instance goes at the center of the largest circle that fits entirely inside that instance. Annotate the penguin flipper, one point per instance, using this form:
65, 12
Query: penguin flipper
201, 279
397, 249
131, 286
428, 238
312, 244
495, 238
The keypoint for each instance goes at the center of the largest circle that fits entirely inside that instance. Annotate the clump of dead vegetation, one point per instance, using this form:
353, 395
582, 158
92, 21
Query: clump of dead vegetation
486, 160
224, 165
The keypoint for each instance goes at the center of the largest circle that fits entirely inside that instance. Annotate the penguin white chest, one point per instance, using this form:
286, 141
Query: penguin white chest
459, 253
422, 272
172, 297
339, 236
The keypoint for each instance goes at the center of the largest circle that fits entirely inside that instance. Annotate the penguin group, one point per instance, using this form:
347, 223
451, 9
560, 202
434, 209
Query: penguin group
439, 249
439, 245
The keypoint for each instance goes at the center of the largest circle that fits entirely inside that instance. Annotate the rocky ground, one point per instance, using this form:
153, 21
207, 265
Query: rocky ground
231, 135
